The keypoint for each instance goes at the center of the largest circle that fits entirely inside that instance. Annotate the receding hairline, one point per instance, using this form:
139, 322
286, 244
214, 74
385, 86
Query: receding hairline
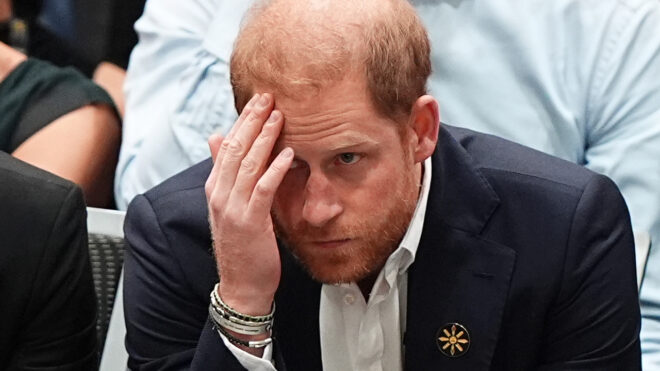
293, 45
318, 24
322, 25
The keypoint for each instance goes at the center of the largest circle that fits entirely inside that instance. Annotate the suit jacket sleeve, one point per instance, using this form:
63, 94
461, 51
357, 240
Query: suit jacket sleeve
167, 327
595, 322
60, 319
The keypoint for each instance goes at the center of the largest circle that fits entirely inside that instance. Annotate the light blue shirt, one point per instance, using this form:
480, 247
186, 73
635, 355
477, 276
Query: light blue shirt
579, 79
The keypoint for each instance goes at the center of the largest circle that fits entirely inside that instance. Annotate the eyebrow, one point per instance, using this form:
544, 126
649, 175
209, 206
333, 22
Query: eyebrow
352, 141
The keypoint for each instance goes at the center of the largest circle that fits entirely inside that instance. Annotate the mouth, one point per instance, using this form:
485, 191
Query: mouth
331, 244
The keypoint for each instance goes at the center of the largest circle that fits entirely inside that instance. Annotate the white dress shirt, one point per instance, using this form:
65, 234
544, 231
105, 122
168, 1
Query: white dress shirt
359, 334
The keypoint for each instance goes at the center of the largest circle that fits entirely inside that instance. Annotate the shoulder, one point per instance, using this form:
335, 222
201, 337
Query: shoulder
547, 195
175, 208
500, 159
185, 189
33, 197
168, 226
30, 181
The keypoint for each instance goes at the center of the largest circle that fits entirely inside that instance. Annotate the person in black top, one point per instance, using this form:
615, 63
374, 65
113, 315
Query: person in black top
59, 120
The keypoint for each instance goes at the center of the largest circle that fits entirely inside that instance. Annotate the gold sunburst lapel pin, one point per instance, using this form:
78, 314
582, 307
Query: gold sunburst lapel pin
453, 340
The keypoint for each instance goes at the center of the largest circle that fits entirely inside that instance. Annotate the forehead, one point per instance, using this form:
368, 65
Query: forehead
338, 115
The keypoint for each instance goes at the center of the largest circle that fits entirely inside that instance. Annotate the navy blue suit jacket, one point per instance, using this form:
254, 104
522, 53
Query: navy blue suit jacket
532, 254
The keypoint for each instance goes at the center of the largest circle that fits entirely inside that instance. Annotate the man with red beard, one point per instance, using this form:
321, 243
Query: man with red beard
349, 231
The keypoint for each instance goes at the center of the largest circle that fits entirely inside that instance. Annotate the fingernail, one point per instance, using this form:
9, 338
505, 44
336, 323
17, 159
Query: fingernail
287, 153
265, 99
274, 116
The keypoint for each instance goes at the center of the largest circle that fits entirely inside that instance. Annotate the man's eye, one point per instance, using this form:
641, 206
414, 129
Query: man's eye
349, 158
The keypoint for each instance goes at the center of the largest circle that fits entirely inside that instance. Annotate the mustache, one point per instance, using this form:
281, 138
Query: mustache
303, 232
309, 233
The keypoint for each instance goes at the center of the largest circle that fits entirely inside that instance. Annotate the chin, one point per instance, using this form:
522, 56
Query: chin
345, 265
336, 275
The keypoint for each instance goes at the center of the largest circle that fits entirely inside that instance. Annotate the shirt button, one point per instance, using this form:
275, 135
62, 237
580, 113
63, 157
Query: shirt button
349, 299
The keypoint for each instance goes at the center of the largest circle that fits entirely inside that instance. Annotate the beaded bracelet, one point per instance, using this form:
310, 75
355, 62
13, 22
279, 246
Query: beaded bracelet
245, 317
242, 327
226, 318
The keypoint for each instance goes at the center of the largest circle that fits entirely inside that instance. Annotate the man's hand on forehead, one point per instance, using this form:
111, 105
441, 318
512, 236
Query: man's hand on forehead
240, 191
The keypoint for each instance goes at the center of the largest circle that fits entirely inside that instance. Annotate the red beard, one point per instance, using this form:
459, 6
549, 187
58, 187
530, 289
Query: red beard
366, 244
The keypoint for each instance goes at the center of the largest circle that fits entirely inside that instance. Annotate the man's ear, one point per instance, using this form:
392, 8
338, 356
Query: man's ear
424, 122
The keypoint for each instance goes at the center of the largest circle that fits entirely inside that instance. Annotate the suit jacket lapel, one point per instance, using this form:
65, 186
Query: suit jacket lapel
457, 276
296, 326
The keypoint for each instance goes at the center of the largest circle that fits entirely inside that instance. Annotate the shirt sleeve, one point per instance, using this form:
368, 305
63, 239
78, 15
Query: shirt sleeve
177, 90
249, 361
623, 137
623, 113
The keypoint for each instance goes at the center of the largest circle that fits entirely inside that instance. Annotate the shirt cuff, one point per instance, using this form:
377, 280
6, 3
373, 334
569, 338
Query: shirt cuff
249, 361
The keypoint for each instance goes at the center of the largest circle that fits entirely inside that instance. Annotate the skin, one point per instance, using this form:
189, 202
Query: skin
340, 209
81, 146
337, 161
5, 10
9, 59
111, 77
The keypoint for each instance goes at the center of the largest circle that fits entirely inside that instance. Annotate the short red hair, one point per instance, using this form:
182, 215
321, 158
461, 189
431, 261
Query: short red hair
295, 46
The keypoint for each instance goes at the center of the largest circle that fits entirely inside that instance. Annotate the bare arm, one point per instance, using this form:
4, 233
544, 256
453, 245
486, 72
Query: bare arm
9, 58
5, 10
111, 78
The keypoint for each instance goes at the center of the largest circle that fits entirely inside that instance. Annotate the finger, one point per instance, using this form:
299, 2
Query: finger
211, 181
214, 141
240, 144
244, 114
254, 163
265, 189
241, 118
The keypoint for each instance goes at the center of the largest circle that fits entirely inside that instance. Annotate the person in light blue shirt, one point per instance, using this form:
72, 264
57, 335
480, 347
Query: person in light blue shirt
576, 79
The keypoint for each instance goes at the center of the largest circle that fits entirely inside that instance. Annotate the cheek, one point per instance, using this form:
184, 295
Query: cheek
375, 191
391, 180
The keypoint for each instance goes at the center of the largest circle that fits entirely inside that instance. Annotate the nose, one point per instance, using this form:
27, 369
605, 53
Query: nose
320, 205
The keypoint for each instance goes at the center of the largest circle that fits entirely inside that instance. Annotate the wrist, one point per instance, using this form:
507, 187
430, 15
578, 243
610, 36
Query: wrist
232, 338
246, 301
251, 333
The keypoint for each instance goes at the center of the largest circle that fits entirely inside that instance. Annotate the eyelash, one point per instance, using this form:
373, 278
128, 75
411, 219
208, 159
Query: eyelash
338, 160
355, 156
